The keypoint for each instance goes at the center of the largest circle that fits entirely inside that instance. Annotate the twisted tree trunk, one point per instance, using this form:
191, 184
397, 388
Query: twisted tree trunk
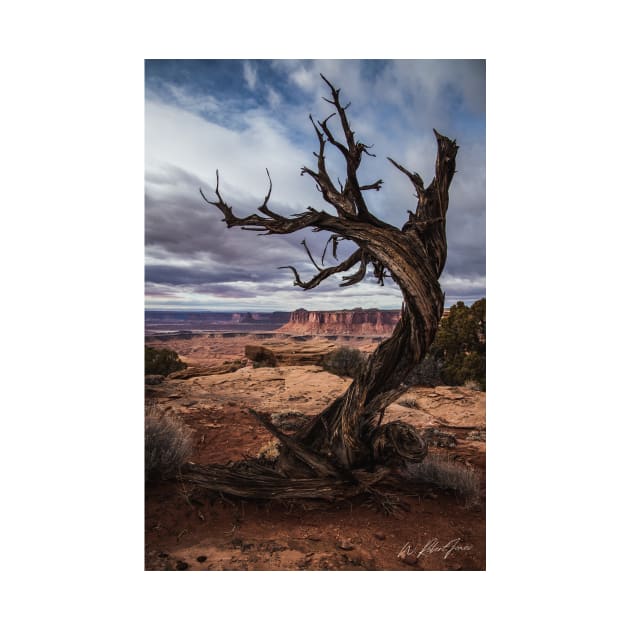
415, 256
346, 442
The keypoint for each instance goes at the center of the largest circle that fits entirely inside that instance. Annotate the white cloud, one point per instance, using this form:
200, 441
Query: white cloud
273, 98
250, 75
459, 284
304, 79
185, 140
205, 104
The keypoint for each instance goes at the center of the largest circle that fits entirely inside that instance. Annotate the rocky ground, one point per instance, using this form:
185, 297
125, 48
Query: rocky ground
185, 531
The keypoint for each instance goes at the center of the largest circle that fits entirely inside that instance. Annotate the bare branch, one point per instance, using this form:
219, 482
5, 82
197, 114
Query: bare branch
341, 202
352, 260
380, 272
349, 134
272, 223
364, 148
352, 154
427, 209
308, 251
218, 194
315, 461
335, 241
264, 209
332, 138
416, 180
377, 185
326, 247
355, 277
444, 170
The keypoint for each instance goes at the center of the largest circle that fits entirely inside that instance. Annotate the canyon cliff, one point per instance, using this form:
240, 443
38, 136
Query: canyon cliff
355, 322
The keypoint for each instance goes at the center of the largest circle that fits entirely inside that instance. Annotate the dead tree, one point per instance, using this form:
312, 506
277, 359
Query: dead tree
346, 449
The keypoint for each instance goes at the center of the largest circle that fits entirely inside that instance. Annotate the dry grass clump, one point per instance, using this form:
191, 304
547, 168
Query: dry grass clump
269, 451
442, 471
167, 443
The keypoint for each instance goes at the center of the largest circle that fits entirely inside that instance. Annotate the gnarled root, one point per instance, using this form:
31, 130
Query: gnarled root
397, 442
317, 477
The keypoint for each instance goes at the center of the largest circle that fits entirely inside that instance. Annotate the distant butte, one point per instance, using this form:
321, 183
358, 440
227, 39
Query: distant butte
358, 322
346, 322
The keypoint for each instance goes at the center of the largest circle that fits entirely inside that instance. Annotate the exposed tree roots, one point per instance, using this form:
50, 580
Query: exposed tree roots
393, 445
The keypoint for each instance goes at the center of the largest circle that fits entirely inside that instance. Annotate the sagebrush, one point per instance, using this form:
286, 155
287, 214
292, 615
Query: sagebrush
167, 443
442, 471
344, 361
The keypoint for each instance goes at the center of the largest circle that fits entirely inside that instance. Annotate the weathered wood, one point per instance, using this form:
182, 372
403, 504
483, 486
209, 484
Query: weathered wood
324, 457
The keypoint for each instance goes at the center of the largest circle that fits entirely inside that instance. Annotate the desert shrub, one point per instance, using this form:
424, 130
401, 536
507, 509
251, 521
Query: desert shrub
162, 361
167, 443
426, 373
344, 361
459, 347
460, 368
442, 471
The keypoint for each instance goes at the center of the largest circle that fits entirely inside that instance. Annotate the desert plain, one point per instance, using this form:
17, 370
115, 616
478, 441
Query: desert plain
186, 529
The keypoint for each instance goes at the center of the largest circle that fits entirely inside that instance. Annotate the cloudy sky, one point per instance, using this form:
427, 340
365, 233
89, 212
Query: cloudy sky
242, 117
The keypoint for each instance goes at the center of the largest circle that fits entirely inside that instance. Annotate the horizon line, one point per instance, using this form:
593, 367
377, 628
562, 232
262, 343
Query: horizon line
271, 310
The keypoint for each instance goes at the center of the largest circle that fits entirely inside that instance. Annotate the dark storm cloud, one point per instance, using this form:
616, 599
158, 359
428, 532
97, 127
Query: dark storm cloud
174, 275
183, 226
156, 290
223, 290
190, 250
466, 242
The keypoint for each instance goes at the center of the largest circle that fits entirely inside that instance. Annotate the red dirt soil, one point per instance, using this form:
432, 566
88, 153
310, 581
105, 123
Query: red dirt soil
184, 530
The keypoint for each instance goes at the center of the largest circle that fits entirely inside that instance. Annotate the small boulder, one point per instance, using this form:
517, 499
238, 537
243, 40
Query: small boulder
345, 544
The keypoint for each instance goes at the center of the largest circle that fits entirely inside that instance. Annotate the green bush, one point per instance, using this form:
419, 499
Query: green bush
344, 361
162, 361
460, 345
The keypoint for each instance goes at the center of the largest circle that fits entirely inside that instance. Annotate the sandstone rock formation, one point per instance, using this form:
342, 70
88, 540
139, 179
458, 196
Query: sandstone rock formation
347, 322
242, 318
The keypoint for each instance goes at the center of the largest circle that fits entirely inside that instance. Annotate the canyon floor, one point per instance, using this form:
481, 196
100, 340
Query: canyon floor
186, 531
